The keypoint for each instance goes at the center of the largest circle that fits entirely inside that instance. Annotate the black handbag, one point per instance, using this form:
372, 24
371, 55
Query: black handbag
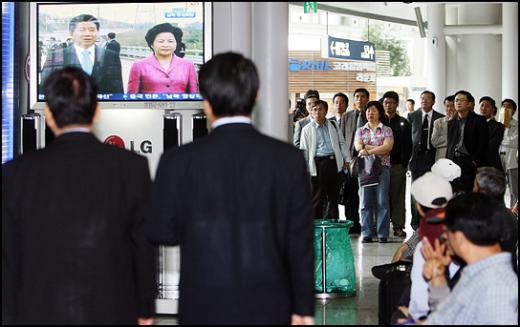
354, 167
369, 176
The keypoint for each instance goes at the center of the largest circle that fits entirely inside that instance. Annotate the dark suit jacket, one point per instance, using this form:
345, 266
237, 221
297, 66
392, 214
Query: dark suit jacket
239, 205
402, 149
475, 138
73, 247
298, 127
416, 119
495, 134
114, 46
106, 70
348, 127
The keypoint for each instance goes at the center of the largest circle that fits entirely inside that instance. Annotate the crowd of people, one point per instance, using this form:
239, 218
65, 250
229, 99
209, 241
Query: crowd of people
465, 240
241, 205
366, 152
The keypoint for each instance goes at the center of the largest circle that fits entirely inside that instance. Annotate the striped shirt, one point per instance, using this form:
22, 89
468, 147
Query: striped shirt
486, 294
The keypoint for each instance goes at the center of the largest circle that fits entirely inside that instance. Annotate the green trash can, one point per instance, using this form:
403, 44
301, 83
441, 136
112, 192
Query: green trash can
334, 270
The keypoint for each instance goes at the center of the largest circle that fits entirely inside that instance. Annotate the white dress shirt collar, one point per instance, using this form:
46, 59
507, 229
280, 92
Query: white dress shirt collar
231, 120
427, 113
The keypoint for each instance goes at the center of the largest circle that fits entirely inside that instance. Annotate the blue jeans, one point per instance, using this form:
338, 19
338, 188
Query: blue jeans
367, 196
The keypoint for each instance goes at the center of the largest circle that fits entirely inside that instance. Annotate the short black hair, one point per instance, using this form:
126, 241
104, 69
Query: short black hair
362, 90
492, 101
322, 103
111, 35
478, 216
391, 95
229, 82
467, 94
510, 101
491, 181
71, 95
449, 98
163, 28
82, 18
339, 94
429, 92
311, 94
379, 108
411, 100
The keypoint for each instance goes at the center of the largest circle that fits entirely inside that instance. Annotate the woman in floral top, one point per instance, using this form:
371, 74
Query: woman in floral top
375, 139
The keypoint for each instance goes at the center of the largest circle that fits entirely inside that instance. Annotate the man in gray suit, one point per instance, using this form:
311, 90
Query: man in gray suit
310, 97
423, 152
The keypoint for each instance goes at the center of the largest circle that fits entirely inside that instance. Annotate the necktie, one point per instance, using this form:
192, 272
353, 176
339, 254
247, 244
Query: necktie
86, 62
425, 144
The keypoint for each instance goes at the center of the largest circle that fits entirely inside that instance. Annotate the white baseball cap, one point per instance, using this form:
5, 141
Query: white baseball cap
446, 169
432, 190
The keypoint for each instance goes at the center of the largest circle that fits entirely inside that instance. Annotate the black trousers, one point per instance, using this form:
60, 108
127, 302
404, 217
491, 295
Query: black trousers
424, 163
468, 171
352, 202
325, 188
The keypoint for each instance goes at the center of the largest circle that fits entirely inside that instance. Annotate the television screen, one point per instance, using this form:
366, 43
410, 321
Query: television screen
135, 51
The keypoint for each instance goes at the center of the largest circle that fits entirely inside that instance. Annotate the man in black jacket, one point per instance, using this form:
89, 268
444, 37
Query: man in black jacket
399, 158
112, 43
238, 203
73, 246
488, 110
467, 139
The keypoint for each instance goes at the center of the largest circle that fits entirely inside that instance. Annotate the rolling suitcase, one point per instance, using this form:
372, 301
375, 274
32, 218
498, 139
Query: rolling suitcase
394, 281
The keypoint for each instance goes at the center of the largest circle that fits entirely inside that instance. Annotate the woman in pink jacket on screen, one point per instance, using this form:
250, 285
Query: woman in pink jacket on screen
163, 71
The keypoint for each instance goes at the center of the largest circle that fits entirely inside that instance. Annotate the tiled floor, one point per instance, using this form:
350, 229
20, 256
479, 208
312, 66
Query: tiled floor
360, 309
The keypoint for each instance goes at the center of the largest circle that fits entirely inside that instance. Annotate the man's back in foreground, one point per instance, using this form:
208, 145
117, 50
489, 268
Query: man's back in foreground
73, 248
238, 203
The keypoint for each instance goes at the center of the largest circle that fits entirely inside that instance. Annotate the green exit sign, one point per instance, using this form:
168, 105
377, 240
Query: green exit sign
310, 7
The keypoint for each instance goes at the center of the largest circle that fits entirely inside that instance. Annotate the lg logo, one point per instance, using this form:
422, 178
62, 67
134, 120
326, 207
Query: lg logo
144, 147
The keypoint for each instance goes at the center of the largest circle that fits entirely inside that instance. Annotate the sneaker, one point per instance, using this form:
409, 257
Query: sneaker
366, 240
383, 240
400, 233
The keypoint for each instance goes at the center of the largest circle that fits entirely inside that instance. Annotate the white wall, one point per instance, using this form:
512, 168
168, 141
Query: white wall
478, 58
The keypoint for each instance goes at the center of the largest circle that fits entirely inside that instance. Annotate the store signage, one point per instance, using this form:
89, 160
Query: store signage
349, 49
310, 7
296, 65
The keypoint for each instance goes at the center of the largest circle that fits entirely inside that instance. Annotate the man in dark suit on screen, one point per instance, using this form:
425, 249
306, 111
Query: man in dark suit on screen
73, 246
103, 65
238, 204
112, 43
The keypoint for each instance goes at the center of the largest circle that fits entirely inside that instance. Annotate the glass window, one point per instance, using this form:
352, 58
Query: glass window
398, 66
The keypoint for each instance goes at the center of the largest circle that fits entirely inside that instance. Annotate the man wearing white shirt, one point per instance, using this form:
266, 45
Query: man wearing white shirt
423, 152
101, 64
340, 101
509, 148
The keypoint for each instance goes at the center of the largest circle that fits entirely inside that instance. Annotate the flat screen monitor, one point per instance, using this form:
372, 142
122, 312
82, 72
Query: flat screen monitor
142, 55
